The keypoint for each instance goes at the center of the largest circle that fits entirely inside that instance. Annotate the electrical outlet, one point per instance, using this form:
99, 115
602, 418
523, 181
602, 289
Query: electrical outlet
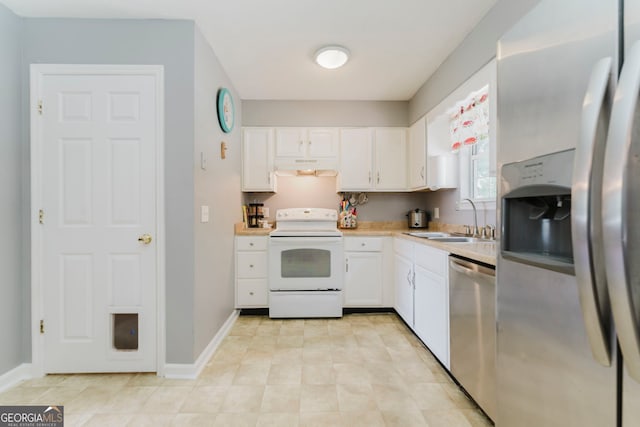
436, 213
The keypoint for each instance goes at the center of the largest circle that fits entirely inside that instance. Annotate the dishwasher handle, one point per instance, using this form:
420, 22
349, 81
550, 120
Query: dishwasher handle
470, 268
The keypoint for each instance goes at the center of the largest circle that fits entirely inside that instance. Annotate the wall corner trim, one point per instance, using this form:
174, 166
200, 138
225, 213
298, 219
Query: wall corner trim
13, 377
190, 371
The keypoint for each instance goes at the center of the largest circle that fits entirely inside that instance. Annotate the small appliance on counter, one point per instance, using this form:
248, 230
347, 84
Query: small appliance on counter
418, 218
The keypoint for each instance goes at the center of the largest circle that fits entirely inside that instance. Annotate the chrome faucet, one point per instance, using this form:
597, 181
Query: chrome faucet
476, 230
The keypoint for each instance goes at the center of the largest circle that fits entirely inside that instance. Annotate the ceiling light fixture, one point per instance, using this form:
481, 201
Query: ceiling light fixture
332, 56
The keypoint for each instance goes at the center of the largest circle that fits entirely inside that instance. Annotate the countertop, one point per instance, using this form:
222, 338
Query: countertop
480, 251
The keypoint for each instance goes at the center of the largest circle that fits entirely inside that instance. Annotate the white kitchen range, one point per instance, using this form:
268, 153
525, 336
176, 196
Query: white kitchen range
305, 264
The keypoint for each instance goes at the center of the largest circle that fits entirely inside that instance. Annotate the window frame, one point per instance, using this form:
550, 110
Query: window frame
486, 75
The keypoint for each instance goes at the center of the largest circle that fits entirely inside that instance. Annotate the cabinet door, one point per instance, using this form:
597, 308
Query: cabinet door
363, 279
443, 171
431, 312
257, 160
356, 160
322, 143
418, 154
290, 142
404, 288
391, 159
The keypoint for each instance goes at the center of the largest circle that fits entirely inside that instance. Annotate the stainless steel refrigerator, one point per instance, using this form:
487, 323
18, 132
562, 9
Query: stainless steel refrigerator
568, 273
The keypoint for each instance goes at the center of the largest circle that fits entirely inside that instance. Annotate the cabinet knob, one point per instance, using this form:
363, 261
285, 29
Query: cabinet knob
250, 243
251, 293
362, 244
250, 265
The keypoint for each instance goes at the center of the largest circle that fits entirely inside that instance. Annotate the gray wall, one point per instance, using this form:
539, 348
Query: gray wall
13, 287
446, 201
475, 51
325, 113
219, 188
298, 192
168, 43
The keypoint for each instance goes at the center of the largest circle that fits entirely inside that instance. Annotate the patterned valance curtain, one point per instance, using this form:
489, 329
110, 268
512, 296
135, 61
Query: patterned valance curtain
469, 119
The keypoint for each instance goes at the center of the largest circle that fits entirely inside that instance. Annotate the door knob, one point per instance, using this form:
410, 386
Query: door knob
145, 238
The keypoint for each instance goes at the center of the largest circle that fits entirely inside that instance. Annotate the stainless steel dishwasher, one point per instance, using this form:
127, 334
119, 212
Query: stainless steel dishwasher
472, 318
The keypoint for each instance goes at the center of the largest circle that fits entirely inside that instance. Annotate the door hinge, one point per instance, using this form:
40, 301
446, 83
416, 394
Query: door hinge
40, 107
41, 326
41, 216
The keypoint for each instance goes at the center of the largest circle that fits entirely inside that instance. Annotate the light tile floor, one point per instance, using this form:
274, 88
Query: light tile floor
361, 370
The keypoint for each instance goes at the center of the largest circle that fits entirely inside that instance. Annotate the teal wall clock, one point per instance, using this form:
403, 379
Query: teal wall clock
226, 110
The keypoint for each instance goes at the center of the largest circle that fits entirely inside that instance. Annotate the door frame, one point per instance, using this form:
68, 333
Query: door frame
37, 72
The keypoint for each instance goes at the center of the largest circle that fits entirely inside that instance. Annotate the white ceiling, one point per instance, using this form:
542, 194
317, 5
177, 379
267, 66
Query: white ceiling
267, 46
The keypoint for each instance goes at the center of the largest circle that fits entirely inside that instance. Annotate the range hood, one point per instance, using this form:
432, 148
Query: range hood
297, 166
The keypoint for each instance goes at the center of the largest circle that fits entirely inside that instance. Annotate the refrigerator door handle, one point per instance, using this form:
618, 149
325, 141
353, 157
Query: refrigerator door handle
585, 212
619, 143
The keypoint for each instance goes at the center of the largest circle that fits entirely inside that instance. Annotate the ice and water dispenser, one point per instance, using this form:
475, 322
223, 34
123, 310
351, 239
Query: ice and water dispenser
536, 208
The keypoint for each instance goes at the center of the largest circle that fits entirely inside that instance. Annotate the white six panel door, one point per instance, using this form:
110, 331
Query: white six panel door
99, 197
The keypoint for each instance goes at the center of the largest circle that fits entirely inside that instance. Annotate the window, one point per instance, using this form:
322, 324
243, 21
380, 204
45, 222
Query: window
478, 181
464, 123
472, 131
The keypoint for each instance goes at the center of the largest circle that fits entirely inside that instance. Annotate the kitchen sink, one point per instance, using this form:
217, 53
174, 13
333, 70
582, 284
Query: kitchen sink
427, 234
456, 239
446, 237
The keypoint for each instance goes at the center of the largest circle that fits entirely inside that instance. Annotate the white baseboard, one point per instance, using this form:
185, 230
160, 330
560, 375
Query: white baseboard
14, 376
192, 370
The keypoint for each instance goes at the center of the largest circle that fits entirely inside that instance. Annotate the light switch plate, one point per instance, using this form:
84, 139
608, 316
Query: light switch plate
203, 161
265, 212
204, 213
436, 213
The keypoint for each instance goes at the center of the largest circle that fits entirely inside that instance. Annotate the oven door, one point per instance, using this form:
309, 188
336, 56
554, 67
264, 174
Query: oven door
305, 263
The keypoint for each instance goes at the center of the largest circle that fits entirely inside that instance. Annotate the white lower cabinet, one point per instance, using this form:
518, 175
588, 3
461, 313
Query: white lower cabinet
363, 286
403, 279
252, 288
368, 271
422, 294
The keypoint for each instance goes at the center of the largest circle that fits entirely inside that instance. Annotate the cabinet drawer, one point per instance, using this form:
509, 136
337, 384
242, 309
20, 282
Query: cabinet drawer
363, 244
251, 243
252, 265
403, 247
252, 293
431, 259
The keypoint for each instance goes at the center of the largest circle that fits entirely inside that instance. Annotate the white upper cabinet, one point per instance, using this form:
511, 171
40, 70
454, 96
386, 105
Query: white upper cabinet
257, 160
373, 159
306, 148
390, 159
356, 160
442, 163
418, 155
291, 142
322, 143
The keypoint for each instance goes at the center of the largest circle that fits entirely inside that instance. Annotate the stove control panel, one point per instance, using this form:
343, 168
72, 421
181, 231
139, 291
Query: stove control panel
307, 214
